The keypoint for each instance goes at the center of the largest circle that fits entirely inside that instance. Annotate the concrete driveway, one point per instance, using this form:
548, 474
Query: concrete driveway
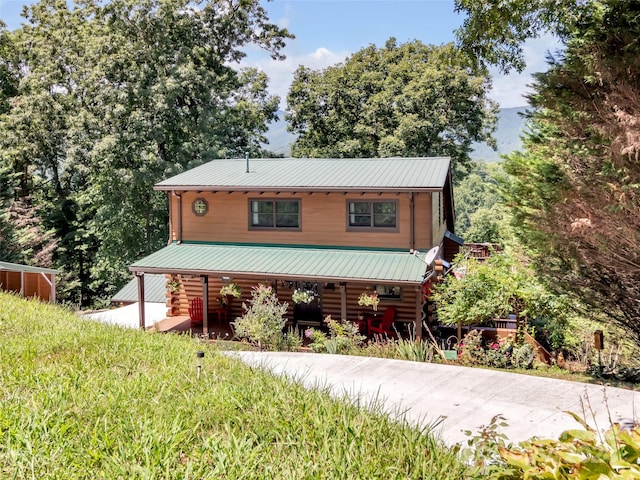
463, 398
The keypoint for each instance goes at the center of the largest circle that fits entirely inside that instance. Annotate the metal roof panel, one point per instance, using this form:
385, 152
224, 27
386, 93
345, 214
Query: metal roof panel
397, 173
255, 260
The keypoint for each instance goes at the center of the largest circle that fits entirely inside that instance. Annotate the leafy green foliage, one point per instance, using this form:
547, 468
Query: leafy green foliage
493, 31
400, 100
344, 337
263, 320
580, 454
86, 400
501, 285
480, 215
502, 353
573, 191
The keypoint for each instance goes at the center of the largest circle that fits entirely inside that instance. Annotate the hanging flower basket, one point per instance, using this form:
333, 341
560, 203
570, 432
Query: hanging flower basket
303, 296
369, 299
173, 285
227, 292
230, 290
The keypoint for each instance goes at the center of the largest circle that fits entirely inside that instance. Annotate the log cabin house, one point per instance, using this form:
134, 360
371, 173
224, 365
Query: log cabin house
338, 227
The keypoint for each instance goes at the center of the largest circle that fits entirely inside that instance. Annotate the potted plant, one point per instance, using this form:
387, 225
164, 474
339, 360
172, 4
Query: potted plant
369, 299
303, 296
173, 285
228, 291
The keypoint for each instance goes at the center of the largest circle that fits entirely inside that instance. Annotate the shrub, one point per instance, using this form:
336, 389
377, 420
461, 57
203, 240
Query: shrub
503, 353
291, 341
523, 356
580, 454
344, 337
471, 349
263, 320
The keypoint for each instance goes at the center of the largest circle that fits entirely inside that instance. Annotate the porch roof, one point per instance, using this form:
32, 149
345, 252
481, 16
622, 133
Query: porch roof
155, 290
278, 261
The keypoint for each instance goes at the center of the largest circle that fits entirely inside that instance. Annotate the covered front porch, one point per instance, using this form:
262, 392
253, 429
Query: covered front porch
338, 276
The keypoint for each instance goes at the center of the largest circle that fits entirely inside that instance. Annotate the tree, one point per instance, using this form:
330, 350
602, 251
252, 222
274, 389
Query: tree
8, 76
574, 189
480, 215
501, 285
400, 100
113, 97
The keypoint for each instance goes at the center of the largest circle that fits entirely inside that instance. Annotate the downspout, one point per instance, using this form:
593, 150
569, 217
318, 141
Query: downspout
179, 232
412, 225
178, 229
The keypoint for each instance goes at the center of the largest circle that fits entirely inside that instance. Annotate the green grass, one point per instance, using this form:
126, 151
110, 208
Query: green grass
80, 399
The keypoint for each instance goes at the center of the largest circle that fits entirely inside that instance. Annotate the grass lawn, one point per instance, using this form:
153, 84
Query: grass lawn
80, 399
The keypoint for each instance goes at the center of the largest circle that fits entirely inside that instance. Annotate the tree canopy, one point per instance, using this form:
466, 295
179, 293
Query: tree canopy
481, 217
112, 97
399, 100
574, 190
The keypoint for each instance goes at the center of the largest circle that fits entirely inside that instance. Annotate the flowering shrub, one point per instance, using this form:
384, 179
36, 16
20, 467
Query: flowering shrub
303, 296
369, 299
263, 320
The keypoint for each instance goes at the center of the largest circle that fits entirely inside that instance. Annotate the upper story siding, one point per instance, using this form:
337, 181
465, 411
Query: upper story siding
323, 220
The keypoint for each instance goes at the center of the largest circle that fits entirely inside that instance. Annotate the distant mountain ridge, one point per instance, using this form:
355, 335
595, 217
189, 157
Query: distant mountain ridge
510, 127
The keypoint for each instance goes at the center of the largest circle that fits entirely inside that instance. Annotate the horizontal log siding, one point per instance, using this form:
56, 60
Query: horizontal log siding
323, 220
330, 300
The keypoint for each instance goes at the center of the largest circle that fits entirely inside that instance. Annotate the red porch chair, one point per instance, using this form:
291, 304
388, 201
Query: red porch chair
195, 311
383, 325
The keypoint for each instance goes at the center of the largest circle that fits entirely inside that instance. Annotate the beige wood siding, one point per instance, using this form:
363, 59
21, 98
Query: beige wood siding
323, 220
439, 225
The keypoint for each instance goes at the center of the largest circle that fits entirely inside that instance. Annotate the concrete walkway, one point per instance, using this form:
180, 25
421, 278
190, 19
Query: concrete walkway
463, 398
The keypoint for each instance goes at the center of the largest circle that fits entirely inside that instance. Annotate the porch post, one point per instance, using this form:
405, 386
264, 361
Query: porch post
418, 320
343, 300
52, 295
140, 277
204, 279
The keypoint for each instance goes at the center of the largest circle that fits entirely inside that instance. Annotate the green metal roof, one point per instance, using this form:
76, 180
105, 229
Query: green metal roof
155, 290
315, 174
391, 267
14, 267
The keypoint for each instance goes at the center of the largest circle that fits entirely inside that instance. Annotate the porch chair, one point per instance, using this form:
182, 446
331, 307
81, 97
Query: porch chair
382, 325
195, 311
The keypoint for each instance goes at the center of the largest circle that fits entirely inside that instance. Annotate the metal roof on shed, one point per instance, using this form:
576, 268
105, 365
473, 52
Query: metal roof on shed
155, 290
14, 267
391, 267
315, 174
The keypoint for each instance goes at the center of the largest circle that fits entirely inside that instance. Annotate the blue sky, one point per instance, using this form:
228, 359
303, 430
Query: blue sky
327, 31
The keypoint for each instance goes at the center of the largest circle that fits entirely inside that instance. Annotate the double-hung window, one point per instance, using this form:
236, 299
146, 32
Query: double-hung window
372, 214
274, 214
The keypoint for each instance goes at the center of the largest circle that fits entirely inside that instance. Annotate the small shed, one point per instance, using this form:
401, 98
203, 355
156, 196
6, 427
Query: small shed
29, 281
